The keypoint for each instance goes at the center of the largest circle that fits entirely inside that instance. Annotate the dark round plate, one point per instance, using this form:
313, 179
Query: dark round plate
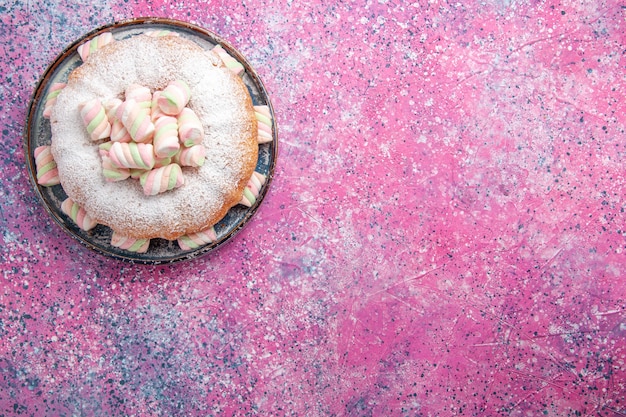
37, 133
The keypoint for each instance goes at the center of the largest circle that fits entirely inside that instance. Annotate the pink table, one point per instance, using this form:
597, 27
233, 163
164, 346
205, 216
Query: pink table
444, 236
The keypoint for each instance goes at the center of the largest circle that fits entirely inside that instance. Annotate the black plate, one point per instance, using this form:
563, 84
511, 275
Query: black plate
37, 133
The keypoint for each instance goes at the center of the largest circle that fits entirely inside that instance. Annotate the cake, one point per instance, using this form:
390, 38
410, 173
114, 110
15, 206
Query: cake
153, 136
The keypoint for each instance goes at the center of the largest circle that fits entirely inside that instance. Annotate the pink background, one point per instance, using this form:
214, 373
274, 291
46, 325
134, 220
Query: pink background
444, 235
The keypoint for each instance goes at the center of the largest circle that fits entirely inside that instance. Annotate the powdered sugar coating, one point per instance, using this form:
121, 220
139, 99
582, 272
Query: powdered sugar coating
218, 97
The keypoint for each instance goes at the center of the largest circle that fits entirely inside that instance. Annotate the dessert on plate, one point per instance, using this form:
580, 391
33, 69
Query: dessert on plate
153, 136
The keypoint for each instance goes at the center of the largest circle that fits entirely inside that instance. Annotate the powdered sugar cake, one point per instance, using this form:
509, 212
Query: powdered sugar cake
218, 97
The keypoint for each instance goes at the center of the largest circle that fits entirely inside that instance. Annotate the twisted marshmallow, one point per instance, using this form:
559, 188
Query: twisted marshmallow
195, 240
165, 139
264, 121
132, 155
140, 94
156, 111
136, 173
174, 97
95, 119
130, 244
104, 148
89, 47
115, 109
110, 171
51, 98
47, 172
110, 108
136, 120
190, 130
158, 33
231, 63
253, 188
113, 173
119, 133
78, 215
192, 156
162, 179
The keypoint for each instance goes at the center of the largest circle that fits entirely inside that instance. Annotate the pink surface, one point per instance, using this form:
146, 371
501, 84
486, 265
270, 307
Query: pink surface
444, 235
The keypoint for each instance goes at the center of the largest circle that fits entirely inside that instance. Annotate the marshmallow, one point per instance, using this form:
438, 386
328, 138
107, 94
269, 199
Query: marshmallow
130, 244
140, 94
104, 148
51, 98
253, 188
195, 240
190, 130
264, 121
113, 173
165, 139
136, 120
156, 111
91, 46
162, 179
95, 119
47, 172
119, 133
132, 155
192, 156
174, 97
231, 63
161, 32
110, 108
78, 215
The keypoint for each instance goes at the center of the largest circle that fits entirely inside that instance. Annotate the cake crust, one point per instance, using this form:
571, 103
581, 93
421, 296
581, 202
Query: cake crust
218, 97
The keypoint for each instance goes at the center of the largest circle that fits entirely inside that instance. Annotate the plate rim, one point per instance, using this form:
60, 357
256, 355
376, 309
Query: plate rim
38, 94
